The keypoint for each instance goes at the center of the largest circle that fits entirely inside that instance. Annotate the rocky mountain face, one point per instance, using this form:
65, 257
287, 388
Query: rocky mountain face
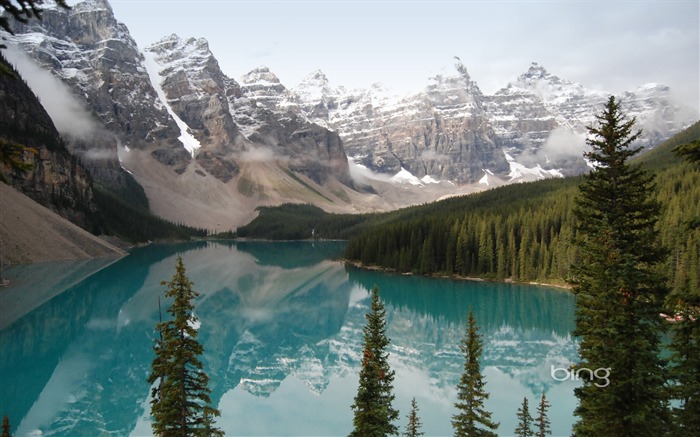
193, 136
442, 132
195, 90
93, 53
172, 102
52, 177
268, 120
451, 130
543, 118
233, 122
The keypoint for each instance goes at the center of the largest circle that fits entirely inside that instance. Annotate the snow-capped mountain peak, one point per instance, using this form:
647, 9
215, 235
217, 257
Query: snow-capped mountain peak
550, 88
537, 73
87, 6
173, 47
316, 78
447, 130
260, 76
452, 82
315, 87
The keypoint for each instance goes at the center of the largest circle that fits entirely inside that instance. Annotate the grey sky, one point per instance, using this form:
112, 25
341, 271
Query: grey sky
607, 45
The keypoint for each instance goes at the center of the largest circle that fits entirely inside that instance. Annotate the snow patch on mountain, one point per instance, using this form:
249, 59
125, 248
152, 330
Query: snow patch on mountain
485, 179
427, 179
405, 177
190, 143
520, 171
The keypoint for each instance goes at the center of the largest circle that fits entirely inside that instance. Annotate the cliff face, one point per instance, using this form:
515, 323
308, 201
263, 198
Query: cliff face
451, 130
190, 135
232, 121
173, 102
195, 89
88, 49
54, 178
442, 132
270, 122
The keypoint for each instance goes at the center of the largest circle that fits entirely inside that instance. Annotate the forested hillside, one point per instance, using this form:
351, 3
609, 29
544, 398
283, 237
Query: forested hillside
525, 232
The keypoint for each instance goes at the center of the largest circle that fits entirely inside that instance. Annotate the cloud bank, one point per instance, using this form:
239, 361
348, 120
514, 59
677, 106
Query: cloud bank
68, 114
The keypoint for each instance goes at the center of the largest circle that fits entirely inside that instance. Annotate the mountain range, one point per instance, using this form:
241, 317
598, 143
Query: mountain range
208, 149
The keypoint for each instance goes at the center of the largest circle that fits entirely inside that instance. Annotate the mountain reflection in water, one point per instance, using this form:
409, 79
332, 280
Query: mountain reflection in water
281, 325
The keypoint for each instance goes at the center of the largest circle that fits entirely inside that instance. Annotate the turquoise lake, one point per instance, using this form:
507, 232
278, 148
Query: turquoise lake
281, 326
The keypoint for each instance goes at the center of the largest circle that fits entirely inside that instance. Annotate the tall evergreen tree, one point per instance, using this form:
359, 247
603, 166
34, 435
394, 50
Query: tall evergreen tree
6, 428
685, 371
685, 346
542, 421
690, 151
619, 292
413, 426
373, 412
180, 404
524, 428
472, 419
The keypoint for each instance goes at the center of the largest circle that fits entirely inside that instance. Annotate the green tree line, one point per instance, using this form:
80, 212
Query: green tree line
134, 222
526, 232
521, 232
300, 222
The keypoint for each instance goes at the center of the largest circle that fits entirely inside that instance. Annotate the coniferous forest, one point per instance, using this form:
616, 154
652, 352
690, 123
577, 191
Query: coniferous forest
525, 232
627, 236
521, 232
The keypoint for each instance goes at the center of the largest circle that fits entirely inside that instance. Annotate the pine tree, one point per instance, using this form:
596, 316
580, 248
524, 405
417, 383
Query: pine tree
685, 371
6, 428
180, 404
413, 426
472, 419
524, 428
685, 346
373, 412
619, 292
542, 422
690, 151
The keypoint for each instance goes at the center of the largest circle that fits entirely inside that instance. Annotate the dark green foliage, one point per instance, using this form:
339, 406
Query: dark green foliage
690, 151
373, 412
300, 222
685, 368
180, 404
472, 419
136, 224
525, 232
524, 428
34, 135
684, 307
11, 155
6, 428
521, 232
542, 421
619, 291
413, 425
665, 155
24, 121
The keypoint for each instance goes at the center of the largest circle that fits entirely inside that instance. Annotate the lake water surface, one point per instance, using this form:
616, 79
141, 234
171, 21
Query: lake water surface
281, 325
